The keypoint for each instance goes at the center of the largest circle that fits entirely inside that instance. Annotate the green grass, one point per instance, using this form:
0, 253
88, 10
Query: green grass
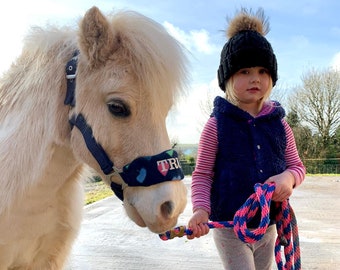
97, 191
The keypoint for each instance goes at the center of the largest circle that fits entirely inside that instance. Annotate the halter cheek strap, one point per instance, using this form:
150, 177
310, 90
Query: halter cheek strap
71, 70
80, 122
94, 147
143, 171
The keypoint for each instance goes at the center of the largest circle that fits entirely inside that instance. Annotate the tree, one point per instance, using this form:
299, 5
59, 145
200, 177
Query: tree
317, 103
334, 148
307, 144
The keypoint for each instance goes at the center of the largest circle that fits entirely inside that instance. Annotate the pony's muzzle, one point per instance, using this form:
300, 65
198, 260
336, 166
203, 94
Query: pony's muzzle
159, 211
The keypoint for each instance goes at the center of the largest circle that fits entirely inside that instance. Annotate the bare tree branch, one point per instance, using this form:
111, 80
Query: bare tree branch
317, 101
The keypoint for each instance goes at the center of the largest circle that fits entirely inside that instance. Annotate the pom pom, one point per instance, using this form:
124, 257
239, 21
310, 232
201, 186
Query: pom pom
248, 20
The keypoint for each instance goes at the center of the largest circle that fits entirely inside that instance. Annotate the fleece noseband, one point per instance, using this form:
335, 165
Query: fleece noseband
143, 171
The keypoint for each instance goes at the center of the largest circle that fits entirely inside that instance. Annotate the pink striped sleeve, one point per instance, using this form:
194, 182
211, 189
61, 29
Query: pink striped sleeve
203, 174
293, 161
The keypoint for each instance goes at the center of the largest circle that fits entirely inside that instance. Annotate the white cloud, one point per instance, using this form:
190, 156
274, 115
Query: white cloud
201, 41
336, 61
198, 40
14, 32
15, 23
186, 120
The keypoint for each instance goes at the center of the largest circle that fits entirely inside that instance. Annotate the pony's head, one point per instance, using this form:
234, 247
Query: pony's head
129, 71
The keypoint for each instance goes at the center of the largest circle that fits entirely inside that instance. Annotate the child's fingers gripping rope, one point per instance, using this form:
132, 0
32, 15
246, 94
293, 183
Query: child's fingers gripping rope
181, 231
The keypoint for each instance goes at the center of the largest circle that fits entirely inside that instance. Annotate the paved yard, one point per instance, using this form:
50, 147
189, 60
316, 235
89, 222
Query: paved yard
109, 240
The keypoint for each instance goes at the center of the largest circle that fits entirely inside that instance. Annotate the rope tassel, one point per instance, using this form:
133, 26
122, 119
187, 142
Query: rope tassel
286, 226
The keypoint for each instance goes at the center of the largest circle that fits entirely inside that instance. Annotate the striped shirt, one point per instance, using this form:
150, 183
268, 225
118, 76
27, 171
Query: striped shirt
203, 174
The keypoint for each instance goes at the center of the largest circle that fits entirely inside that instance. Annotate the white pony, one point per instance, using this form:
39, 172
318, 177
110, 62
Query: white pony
127, 71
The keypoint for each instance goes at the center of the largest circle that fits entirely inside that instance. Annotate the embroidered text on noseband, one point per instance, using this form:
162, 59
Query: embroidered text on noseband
143, 171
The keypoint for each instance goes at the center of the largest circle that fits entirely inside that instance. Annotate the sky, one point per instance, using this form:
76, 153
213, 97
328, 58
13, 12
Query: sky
304, 34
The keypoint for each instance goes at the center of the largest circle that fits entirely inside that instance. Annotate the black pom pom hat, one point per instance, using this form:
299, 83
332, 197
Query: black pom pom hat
247, 47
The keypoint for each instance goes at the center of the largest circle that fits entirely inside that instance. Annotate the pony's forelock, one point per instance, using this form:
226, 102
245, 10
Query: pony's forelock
161, 64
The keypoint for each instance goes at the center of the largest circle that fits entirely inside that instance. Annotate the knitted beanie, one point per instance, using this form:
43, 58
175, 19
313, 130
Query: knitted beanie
247, 47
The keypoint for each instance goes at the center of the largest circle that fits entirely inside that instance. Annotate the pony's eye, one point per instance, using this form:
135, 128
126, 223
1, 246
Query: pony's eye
118, 108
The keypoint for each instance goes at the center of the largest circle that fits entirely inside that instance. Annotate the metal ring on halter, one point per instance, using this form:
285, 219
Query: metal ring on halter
116, 174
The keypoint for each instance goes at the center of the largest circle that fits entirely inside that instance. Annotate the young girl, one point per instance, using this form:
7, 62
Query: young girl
246, 141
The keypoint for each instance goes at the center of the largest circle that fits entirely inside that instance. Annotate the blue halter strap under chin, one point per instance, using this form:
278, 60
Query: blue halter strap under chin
143, 171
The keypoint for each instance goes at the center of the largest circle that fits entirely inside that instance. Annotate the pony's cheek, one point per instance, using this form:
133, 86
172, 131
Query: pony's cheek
133, 214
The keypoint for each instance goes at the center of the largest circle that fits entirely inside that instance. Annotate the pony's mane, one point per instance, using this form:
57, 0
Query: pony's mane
41, 47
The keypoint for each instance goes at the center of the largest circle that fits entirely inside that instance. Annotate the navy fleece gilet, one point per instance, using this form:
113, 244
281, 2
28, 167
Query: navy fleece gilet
250, 150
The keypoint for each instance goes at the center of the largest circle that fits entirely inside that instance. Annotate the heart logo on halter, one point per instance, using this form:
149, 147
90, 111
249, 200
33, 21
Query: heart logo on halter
163, 167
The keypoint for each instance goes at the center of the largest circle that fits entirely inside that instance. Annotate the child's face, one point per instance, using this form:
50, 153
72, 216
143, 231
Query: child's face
251, 85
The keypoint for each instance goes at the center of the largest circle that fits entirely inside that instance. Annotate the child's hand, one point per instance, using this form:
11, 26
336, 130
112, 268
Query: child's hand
197, 224
284, 183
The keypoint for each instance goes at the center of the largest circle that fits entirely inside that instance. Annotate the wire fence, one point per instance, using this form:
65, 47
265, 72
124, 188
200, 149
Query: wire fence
313, 166
187, 167
322, 166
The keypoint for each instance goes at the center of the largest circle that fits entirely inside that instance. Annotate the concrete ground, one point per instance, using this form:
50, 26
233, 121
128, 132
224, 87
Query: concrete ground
109, 240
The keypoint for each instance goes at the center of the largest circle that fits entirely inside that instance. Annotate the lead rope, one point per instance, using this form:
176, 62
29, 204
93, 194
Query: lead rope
288, 236
286, 226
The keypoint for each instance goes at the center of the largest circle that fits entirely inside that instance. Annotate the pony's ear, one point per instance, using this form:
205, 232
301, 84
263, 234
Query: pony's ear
96, 39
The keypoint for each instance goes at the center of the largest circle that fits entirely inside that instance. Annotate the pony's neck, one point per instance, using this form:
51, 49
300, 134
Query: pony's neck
47, 166
35, 148
61, 167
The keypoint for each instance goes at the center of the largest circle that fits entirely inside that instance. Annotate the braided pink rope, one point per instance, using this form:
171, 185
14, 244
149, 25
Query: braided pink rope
288, 236
285, 223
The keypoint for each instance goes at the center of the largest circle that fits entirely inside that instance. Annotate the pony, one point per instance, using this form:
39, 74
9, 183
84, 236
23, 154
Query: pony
79, 99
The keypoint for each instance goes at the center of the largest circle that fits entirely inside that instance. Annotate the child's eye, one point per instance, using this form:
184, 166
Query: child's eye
264, 71
244, 71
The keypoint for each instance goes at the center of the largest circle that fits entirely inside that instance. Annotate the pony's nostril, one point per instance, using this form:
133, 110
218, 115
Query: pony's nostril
167, 208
